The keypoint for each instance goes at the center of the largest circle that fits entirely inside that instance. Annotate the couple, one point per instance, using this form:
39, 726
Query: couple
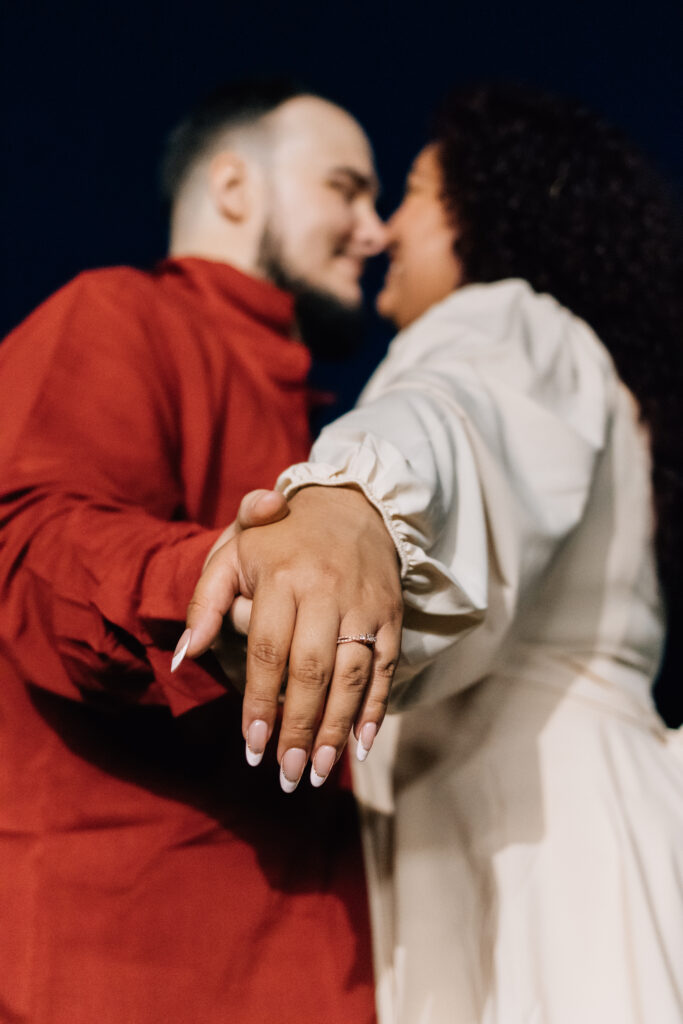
523, 809
521, 813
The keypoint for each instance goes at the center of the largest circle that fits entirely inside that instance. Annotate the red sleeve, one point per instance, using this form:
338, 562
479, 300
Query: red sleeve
96, 562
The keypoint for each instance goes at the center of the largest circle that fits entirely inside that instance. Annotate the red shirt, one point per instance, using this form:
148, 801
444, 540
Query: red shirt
150, 875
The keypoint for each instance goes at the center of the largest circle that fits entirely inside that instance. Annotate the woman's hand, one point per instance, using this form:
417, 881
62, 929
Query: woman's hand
257, 508
328, 569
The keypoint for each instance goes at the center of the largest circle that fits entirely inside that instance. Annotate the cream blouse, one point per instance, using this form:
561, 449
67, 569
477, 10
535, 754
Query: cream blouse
509, 465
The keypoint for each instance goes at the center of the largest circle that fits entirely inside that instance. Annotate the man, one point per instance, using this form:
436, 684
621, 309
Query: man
150, 873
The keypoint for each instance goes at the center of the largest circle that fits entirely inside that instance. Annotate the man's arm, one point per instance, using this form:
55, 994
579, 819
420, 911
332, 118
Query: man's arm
97, 564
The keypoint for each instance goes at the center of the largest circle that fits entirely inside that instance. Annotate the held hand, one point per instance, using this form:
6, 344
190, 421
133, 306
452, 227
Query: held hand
329, 569
257, 508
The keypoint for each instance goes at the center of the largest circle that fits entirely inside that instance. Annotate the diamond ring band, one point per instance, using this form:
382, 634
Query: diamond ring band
367, 639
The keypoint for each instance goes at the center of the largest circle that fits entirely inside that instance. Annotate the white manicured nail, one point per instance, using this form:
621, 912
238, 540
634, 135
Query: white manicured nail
292, 768
181, 649
365, 740
323, 763
257, 737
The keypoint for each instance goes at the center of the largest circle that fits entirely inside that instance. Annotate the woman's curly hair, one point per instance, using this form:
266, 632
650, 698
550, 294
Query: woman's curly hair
541, 188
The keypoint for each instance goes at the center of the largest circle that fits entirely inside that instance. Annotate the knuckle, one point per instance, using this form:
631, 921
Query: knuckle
336, 728
384, 670
319, 576
309, 672
394, 610
354, 677
259, 705
198, 603
280, 576
299, 730
265, 652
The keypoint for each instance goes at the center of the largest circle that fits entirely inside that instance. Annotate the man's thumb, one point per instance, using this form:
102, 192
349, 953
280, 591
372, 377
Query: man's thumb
261, 507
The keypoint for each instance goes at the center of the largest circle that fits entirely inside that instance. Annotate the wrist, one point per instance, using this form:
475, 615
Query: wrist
344, 507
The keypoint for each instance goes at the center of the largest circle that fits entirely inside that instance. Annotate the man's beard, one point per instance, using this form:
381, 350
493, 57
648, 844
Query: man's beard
330, 328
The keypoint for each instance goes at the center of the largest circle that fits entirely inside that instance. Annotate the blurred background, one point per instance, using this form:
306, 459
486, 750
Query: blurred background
90, 90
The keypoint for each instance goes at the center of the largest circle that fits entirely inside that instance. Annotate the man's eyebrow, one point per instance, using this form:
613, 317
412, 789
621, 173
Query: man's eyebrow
363, 182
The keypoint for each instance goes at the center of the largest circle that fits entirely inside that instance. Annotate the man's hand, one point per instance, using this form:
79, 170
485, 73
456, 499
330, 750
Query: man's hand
328, 569
257, 508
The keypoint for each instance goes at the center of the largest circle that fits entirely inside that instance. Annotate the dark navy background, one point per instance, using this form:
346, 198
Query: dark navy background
90, 88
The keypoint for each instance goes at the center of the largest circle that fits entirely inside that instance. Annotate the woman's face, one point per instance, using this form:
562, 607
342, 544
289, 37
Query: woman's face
423, 269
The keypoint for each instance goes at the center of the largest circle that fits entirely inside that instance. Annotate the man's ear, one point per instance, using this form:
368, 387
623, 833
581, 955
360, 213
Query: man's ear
229, 185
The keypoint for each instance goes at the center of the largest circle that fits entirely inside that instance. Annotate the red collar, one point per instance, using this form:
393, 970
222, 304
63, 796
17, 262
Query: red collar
260, 299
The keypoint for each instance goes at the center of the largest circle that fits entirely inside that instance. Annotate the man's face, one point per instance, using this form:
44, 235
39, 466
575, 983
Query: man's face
321, 223
423, 268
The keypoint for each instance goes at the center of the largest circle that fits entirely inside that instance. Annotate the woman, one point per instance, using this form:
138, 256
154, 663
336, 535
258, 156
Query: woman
524, 812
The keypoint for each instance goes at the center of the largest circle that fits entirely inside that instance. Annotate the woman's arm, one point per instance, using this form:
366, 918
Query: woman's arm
478, 453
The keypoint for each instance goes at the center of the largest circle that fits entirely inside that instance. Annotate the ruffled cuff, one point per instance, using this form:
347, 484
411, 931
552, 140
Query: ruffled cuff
406, 505
308, 474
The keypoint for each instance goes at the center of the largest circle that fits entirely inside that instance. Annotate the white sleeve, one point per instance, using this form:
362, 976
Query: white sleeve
480, 460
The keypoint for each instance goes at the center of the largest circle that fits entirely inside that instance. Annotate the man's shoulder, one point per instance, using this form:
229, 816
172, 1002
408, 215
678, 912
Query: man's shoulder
121, 284
118, 305
126, 299
115, 291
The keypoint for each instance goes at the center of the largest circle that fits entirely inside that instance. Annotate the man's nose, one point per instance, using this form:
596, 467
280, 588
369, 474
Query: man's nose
371, 233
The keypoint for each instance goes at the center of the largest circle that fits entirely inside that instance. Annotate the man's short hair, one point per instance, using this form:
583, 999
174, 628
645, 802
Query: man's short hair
230, 106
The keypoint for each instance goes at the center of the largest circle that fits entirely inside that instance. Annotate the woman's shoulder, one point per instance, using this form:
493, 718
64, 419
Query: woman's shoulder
504, 331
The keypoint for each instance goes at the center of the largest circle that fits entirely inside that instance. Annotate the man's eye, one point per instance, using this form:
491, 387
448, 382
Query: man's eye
346, 188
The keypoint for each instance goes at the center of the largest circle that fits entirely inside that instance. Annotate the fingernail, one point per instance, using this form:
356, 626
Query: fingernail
257, 737
323, 763
181, 649
292, 768
365, 740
